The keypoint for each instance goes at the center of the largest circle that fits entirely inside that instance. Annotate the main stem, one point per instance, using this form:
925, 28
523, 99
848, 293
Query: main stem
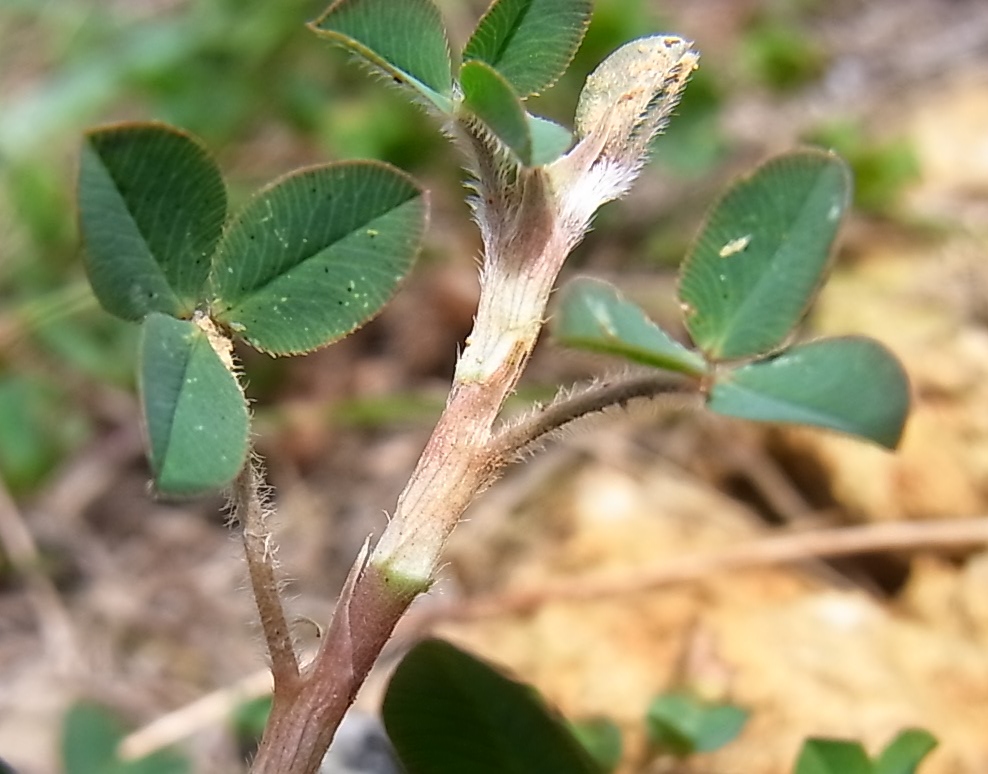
522, 260
528, 230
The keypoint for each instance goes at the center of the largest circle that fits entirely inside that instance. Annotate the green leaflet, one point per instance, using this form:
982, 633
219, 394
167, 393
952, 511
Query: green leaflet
529, 42
151, 210
762, 253
316, 255
195, 414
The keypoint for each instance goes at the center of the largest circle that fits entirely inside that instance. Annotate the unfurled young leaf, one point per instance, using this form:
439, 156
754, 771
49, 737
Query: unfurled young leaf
530, 42
593, 315
631, 94
762, 254
446, 712
151, 210
405, 39
852, 384
195, 414
317, 254
624, 104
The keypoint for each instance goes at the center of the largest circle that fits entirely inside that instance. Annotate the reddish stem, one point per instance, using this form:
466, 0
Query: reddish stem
305, 717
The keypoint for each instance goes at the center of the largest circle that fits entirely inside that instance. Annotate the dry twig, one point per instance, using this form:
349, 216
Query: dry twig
777, 549
773, 550
211, 709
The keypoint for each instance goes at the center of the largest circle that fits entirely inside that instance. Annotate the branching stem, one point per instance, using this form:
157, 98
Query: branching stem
515, 437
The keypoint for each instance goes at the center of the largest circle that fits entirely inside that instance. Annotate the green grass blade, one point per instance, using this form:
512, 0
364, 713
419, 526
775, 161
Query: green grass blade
832, 756
317, 254
904, 753
194, 411
762, 254
446, 712
593, 315
530, 42
491, 99
853, 385
151, 210
406, 39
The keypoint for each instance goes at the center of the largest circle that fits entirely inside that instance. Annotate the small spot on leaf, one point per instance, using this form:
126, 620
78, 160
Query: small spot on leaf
735, 246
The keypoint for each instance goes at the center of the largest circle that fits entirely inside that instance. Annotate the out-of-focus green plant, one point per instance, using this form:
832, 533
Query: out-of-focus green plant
248, 723
902, 755
883, 169
91, 737
448, 712
695, 141
601, 738
778, 51
39, 426
682, 724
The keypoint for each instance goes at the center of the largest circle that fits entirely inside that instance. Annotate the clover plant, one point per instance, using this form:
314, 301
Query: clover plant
317, 253
448, 712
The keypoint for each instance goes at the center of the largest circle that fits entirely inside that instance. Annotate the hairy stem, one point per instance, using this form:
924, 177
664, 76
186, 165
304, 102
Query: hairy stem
302, 722
528, 228
248, 509
515, 437
522, 261
375, 598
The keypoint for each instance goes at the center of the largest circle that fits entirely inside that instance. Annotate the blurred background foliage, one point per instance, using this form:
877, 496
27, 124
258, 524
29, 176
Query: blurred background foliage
266, 96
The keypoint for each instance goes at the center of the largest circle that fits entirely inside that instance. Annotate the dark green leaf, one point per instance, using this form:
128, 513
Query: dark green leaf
684, 725
406, 39
151, 210
490, 97
194, 410
594, 315
90, 737
832, 756
762, 254
904, 753
852, 384
317, 254
448, 713
530, 42
602, 739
